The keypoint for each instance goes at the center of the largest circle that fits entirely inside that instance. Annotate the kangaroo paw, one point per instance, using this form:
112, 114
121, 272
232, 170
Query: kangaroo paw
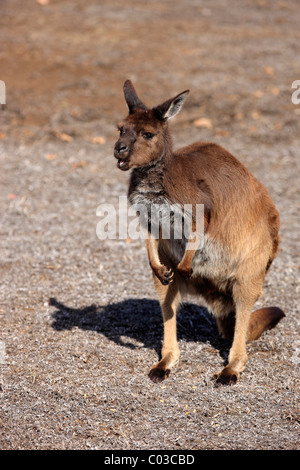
185, 272
164, 274
158, 374
227, 376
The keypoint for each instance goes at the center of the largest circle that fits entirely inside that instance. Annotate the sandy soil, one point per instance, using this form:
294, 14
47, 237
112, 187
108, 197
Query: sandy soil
74, 371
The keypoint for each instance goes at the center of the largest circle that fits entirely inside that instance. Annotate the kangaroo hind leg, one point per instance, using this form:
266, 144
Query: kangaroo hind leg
238, 323
169, 297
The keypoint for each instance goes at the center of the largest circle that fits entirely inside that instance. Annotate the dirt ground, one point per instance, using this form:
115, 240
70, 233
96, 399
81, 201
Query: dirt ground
74, 369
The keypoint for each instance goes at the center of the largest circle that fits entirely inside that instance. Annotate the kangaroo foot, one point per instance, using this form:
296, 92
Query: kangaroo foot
158, 374
162, 369
227, 376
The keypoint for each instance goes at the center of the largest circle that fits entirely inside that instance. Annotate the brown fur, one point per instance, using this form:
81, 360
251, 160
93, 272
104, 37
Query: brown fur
241, 226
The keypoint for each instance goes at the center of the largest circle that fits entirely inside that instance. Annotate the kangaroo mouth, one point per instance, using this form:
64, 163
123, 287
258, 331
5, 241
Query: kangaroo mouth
123, 164
122, 160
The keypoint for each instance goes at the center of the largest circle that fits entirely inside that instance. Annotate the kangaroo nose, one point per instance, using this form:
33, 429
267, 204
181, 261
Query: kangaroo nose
121, 148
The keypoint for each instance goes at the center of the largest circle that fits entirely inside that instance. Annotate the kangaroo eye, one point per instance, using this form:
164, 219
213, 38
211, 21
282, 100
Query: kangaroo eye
148, 135
121, 130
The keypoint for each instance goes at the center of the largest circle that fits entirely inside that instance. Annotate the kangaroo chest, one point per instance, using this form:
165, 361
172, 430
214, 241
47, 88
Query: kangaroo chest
165, 220
157, 213
146, 185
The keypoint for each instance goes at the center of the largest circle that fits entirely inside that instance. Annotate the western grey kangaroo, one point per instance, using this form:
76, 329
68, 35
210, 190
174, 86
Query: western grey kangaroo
240, 230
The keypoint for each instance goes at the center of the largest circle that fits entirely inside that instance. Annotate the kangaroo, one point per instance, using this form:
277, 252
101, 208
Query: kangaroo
240, 230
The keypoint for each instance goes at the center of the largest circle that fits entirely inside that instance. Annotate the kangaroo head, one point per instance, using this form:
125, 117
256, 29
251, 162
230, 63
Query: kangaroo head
144, 136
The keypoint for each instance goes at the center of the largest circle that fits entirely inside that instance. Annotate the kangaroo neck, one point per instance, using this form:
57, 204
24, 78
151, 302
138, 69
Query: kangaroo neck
148, 178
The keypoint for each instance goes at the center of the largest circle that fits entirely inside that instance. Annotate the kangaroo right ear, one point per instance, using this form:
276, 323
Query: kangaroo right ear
170, 108
132, 99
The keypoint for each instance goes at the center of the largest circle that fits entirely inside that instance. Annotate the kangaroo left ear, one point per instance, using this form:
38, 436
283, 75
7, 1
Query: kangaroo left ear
131, 98
170, 108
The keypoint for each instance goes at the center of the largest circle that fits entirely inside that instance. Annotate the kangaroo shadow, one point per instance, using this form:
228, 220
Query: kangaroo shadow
134, 321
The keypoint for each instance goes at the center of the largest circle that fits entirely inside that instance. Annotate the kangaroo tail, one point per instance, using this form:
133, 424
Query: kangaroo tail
263, 319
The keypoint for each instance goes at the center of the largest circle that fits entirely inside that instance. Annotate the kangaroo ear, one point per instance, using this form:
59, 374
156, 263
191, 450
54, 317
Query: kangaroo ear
170, 108
132, 99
